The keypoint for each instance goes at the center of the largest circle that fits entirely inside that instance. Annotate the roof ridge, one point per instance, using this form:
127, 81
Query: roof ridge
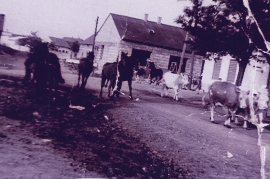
145, 21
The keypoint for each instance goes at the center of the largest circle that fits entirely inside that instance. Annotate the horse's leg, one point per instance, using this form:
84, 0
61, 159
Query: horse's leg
109, 88
79, 78
102, 85
130, 88
85, 79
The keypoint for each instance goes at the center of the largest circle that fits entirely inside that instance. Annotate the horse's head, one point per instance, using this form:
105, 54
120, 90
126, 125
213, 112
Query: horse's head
40, 52
151, 65
90, 56
127, 62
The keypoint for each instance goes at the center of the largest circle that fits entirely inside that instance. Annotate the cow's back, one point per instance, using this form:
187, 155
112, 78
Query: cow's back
224, 93
170, 79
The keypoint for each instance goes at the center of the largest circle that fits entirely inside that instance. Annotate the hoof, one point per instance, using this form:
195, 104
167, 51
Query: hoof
214, 122
228, 126
131, 98
238, 124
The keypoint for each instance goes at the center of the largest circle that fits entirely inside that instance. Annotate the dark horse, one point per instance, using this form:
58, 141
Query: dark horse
45, 68
155, 73
125, 68
85, 68
108, 76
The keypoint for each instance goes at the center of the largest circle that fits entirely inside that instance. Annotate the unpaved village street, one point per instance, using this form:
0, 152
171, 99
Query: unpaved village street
148, 137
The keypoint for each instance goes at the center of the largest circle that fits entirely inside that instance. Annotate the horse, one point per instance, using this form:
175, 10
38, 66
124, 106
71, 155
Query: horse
85, 68
108, 75
45, 68
125, 67
155, 73
139, 73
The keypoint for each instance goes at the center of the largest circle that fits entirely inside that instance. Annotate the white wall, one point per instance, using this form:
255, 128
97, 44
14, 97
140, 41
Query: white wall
256, 75
223, 75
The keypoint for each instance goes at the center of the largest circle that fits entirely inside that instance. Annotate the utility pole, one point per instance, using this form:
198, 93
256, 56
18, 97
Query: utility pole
191, 68
93, 48
183, 54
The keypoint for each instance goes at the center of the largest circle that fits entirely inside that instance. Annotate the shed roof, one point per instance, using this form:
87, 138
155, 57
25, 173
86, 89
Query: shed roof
72, 40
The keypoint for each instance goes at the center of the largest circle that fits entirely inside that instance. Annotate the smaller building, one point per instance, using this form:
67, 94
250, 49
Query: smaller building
257, 72
64, 47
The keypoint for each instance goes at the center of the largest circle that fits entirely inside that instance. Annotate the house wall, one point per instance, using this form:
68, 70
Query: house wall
84, 49
256, 74
208, 71
161, 56
63, 53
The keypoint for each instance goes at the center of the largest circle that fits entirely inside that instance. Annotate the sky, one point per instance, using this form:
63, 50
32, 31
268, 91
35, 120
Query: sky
77, 18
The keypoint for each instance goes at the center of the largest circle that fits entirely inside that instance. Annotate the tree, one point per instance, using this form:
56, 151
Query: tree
226, 28
30, 41
75, 47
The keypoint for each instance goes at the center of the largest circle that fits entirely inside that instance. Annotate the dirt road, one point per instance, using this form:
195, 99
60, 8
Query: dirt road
149, 137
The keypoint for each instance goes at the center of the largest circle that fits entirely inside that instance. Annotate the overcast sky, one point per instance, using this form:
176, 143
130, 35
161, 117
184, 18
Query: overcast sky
77, 18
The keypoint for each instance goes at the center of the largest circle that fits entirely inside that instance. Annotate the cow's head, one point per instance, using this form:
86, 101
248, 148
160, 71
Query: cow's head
261, 98
243, 97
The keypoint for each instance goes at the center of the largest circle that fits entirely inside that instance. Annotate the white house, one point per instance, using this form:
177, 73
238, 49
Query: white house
142, 38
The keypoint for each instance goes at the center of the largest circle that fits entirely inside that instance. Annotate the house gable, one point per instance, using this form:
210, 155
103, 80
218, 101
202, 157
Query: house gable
108, 32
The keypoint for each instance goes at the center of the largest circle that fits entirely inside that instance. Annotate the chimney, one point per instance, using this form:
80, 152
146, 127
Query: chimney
159, 20
145, 17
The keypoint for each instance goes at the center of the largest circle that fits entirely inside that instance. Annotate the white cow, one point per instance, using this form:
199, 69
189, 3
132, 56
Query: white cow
260, 103
175, 82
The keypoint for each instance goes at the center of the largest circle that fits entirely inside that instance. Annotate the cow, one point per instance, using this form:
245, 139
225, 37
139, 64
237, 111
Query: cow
139, 74
174, 81
108, 76
230, 97
85, 68
125, 68
155, 73
260, 103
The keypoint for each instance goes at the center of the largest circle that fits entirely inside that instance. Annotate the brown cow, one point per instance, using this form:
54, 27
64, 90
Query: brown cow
228, 95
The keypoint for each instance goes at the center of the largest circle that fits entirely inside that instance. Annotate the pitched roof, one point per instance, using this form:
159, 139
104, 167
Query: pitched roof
59, 42
72, 40
88, 41
150, 33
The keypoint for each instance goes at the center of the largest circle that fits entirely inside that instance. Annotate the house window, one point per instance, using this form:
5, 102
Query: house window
173, 64
232, 70
101, 52
216, 70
